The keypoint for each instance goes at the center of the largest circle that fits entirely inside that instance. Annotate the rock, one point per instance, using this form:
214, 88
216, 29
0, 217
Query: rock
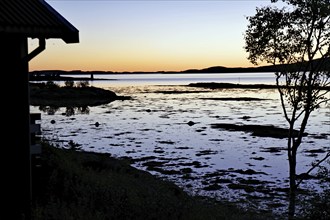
191, 123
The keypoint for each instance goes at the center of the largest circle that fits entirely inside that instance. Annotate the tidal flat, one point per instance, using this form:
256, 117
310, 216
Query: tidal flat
170, 132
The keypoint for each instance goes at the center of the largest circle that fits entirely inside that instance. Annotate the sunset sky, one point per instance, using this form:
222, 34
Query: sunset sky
150, 35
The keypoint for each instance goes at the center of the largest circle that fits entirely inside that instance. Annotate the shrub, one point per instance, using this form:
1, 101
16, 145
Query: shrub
82, 84
69, 83
51, 84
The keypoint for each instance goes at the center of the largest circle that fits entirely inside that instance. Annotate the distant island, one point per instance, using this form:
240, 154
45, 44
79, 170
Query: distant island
63, 75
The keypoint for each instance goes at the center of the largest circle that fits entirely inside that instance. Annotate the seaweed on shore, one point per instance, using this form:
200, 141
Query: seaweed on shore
257, 130
70, 184
234, 99
214, 85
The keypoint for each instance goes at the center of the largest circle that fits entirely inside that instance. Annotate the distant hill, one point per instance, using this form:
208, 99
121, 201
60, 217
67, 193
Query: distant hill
60, 74
270, 68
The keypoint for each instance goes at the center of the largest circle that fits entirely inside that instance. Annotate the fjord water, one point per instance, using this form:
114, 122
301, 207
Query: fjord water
167, 130
183, 78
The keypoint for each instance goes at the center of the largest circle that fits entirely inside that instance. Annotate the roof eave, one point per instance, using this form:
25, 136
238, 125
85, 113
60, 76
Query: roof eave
40, 21
69, 37
72, 35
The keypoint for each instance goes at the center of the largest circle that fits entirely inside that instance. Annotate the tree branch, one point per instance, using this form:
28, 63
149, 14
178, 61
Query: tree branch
314, 166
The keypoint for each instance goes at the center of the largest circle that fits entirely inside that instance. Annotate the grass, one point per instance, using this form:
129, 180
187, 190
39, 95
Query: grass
71, 184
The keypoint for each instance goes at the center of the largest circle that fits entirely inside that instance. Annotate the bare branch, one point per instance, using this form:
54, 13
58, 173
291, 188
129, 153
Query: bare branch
314, 166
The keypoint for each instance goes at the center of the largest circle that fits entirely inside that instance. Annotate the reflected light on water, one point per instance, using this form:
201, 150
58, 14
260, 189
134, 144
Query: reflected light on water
155, 127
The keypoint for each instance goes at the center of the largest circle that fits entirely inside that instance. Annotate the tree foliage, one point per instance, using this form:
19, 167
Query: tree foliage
295, 37
296, 33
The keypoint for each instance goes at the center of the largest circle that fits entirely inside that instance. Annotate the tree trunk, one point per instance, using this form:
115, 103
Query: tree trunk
293, 185
292, 192
292, 205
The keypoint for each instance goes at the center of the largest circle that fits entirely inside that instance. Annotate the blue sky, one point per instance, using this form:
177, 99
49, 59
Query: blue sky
149, 35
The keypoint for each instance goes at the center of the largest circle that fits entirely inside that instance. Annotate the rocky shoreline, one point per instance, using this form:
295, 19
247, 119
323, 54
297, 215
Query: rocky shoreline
42, 94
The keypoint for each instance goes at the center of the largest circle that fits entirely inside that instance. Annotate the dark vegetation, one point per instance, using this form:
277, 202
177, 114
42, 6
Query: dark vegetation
72, 184
80, 95
69, 184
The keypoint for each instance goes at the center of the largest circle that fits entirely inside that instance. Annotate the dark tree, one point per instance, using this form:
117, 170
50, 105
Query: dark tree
295, 37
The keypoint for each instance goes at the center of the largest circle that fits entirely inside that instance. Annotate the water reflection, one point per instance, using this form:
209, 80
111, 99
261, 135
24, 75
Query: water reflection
69, 110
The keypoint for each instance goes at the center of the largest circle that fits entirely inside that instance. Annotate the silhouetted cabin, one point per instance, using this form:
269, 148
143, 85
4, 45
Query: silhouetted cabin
20, 20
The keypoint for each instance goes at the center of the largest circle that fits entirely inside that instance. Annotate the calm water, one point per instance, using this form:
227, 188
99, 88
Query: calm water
153, 129
182, 79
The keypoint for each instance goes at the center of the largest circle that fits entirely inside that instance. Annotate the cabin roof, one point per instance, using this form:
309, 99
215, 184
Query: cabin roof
35, 19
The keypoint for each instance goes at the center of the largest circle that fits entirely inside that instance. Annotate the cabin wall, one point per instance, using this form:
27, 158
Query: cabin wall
16, 135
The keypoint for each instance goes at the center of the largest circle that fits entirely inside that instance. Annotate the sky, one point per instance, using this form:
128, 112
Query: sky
150, 35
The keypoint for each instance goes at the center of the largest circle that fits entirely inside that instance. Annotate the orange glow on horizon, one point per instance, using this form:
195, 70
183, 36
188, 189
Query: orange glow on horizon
59, 56
122, 67
148, 36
